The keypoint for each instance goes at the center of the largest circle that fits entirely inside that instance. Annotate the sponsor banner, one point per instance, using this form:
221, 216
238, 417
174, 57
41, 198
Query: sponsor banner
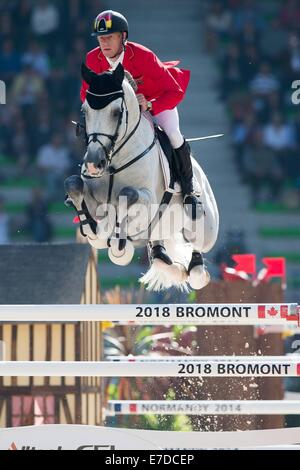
67, 437
208, 368
247, 314
174, 407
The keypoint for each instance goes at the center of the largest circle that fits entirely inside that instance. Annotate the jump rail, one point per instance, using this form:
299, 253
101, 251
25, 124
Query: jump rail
250, 367
196, 407
204, 314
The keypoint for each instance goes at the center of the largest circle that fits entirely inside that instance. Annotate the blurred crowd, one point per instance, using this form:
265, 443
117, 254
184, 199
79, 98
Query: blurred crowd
42, 45
257, 45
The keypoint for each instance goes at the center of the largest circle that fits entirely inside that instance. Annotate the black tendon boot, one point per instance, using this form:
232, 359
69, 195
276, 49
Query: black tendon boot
191, 201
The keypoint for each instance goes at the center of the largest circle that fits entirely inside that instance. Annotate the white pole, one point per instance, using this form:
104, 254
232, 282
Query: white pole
248, 368
196, 314
295, 358
195, 407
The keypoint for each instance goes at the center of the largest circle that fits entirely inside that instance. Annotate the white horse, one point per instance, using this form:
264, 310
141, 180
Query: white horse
124, 199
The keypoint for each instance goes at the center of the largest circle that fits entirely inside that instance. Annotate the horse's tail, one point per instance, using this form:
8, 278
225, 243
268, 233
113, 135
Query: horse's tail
161, 276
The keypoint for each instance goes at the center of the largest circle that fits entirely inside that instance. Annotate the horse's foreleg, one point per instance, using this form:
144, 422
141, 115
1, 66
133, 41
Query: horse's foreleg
75, 197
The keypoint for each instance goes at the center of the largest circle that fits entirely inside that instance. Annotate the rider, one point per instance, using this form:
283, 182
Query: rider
161, 86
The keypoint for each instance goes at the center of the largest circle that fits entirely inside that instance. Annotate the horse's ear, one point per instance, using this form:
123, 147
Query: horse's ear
119, 74
87, 74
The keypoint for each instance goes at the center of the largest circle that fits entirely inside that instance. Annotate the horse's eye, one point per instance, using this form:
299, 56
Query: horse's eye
116, 113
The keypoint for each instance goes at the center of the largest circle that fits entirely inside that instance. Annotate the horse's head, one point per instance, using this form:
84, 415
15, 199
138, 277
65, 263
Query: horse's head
110, 106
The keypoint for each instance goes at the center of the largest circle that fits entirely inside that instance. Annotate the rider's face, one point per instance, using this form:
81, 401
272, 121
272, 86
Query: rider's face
111, 45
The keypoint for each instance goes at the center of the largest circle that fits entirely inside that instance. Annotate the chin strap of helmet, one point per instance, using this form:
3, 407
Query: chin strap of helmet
124, 41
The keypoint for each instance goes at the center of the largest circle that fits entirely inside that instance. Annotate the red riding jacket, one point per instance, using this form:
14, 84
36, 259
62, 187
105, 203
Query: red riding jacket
160, 82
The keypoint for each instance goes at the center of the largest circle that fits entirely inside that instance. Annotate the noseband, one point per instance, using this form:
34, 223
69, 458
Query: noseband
94, 136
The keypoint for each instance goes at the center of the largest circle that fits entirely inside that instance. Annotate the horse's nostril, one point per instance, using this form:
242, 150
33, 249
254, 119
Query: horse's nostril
102, 162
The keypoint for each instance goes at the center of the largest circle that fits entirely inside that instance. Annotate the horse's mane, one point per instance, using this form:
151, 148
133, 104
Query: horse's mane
131, 80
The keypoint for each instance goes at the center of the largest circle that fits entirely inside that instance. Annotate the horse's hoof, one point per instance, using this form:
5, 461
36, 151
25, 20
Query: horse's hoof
159, 252
199, 277
197, 260
121, 257
68, 202
74, 186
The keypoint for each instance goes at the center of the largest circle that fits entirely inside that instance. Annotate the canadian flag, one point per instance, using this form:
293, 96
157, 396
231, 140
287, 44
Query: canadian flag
265, 311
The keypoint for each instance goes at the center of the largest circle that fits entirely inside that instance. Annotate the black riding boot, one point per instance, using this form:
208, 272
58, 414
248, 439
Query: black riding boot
185, 170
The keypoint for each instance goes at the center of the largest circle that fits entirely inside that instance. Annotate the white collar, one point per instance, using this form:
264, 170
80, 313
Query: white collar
114, 63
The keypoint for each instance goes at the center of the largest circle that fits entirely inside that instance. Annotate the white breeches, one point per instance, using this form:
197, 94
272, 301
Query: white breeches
169, 121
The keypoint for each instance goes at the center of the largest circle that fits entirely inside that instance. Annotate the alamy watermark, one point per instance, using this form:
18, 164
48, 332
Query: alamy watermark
2, 92
296, 345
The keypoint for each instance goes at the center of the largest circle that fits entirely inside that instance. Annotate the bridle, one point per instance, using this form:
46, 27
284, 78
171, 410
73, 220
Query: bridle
94, 136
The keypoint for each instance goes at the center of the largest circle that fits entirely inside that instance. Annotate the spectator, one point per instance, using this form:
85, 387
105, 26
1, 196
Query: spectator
263, 170
257, 74
278, 135
250, 60
241, 132
248, 12
290, 14
20, 147
10, 61
274, 42
45, 18
232, 72
265, 81
53, 162
249, 36
38, 223
37, 58
26, 88
218, 25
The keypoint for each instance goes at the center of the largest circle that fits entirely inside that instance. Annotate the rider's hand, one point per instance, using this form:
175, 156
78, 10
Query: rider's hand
142, 102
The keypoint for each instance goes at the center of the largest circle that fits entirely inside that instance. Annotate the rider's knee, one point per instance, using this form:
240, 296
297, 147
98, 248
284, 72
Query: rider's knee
176, 139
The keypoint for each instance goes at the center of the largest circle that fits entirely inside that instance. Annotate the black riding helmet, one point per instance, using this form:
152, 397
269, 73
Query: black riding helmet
108, 22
